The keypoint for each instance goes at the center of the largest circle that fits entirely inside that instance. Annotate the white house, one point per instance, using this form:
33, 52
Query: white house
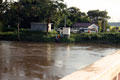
84, 27
93, 28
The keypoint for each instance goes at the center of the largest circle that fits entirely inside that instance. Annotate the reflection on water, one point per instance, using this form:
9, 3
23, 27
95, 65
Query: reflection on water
44, 61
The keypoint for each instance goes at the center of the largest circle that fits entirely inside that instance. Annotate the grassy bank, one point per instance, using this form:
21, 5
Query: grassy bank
96, 38
32, 36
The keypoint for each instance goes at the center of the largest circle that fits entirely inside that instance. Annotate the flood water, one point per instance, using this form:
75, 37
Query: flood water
47, 61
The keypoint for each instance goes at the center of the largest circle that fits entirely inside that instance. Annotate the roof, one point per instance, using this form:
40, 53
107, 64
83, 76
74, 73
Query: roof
39, 23
82, 24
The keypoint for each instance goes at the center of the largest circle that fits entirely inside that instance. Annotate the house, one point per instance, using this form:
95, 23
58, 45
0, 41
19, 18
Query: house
36, 26
7, 1
84, 27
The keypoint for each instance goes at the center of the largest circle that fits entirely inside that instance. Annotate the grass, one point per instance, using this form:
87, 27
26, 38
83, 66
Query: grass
37, 36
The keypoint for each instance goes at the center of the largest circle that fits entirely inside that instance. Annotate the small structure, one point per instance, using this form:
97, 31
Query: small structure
84, 27
36, 26
66, 31
8, 1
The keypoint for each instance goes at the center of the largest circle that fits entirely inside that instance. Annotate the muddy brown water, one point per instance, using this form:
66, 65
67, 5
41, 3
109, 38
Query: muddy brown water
47, 61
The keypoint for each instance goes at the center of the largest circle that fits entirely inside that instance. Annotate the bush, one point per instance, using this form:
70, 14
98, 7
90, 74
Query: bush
53, 32
113, 29
1, 26
96, 37
37, 36
8, 36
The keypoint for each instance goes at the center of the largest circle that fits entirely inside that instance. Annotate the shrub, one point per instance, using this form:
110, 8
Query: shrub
1, 26
37, 36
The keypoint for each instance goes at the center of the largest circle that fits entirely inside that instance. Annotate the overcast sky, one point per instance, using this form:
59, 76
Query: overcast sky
111, 6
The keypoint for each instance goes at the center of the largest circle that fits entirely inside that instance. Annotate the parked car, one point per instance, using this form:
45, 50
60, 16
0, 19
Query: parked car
74, 31
59, 29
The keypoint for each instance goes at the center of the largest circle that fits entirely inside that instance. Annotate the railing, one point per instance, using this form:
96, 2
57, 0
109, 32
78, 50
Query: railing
107, 68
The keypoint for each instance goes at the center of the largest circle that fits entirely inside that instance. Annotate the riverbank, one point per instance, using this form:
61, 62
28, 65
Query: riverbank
33, 36
107, 38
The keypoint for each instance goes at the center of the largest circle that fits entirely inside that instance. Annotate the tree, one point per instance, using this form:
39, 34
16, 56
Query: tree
1, 1
4, 7
74, 15
97, 16
24, 12
54, 8
40, 11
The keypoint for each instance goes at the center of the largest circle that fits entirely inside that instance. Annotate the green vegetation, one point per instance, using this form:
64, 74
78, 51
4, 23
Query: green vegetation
97, 38
114, 29
33, 36
22, 13
100, 18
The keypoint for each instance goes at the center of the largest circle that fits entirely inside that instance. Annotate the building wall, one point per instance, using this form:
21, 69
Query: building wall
93, 27
49, 28
8, 0
39, 27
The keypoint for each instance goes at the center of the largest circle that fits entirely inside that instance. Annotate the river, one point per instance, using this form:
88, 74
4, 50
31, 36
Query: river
47, 61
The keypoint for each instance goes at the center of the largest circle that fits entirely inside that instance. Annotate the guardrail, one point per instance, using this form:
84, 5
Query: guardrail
107, 68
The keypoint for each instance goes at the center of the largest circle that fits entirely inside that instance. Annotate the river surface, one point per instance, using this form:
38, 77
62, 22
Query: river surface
47, 61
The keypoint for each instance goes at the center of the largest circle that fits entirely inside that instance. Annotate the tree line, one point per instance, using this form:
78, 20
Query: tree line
24, 12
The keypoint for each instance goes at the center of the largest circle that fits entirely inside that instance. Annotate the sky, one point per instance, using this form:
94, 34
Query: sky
111, 6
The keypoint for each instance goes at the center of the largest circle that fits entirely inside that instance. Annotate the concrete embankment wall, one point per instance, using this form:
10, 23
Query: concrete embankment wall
108, 68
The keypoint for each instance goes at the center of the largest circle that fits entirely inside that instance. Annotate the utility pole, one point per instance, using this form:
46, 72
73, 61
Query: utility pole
18, 26
105, 20
65, 21
104, 26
